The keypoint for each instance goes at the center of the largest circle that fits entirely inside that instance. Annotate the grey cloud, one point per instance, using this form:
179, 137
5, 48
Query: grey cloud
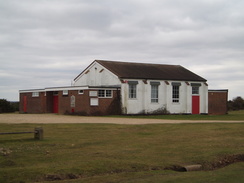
47, 43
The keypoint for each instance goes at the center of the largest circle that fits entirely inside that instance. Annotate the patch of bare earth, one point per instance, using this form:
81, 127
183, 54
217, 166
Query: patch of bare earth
208, 166
219, 163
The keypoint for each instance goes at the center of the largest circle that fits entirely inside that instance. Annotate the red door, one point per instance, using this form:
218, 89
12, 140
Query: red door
55, 104
25, 104
195, 104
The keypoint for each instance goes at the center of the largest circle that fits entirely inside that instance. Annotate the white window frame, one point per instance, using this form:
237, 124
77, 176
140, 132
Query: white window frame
101, 93
176, 93
109, 95
105, 94
132, 89
154, 93
35, 94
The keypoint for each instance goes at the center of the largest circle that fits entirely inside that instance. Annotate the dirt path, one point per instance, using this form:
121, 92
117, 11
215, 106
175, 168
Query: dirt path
54, 118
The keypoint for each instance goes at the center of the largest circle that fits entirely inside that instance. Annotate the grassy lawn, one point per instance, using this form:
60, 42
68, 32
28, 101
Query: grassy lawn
98, 153
231, 116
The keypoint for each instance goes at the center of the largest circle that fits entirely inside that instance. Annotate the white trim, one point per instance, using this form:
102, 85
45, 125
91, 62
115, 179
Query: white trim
32, 90
67, 88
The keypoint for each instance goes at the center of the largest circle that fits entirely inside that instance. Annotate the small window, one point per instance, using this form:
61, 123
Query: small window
65, 92
35, 94
101, 93
195, 90
80, 91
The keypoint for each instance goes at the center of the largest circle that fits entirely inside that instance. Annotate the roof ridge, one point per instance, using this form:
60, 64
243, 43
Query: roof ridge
132, 62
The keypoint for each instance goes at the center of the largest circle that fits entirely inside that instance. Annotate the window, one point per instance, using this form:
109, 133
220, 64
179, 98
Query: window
195, 90
132, 90
65, 92
154, 92
108, 93
105, 93
175, 94
35, 94
80, 91
101, 93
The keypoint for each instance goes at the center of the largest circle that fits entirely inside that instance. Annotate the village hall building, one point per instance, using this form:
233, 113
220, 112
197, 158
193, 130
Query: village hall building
114, 87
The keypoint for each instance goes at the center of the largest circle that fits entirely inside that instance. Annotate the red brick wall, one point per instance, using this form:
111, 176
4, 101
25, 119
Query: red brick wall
44, 103
217, 102
82, 104
34, 104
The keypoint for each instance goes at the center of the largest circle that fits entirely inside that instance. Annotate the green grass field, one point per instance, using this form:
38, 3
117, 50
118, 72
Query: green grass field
231, 116
120, 153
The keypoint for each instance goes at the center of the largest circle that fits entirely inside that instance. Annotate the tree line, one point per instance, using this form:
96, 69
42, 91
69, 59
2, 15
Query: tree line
236, 104
6, 106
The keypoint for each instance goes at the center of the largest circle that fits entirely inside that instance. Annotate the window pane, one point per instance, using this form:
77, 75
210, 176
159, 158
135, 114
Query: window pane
108, 93
101, 93
195, 90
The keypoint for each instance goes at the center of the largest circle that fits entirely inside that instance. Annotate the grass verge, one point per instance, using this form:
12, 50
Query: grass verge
231, 116
119, 153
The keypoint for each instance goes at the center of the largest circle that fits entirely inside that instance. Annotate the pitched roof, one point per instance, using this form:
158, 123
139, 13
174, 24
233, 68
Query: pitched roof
131, 70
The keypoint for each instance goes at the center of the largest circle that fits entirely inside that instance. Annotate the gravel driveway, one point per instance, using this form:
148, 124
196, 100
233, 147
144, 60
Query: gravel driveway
13, 118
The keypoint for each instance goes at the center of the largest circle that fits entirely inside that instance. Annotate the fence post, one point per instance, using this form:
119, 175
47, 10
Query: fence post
38, 135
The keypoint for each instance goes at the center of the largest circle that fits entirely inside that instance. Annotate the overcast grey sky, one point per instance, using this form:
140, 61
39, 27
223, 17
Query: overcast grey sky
47, 43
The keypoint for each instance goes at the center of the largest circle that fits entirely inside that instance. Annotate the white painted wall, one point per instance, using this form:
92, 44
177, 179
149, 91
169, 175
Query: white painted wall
142, 104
